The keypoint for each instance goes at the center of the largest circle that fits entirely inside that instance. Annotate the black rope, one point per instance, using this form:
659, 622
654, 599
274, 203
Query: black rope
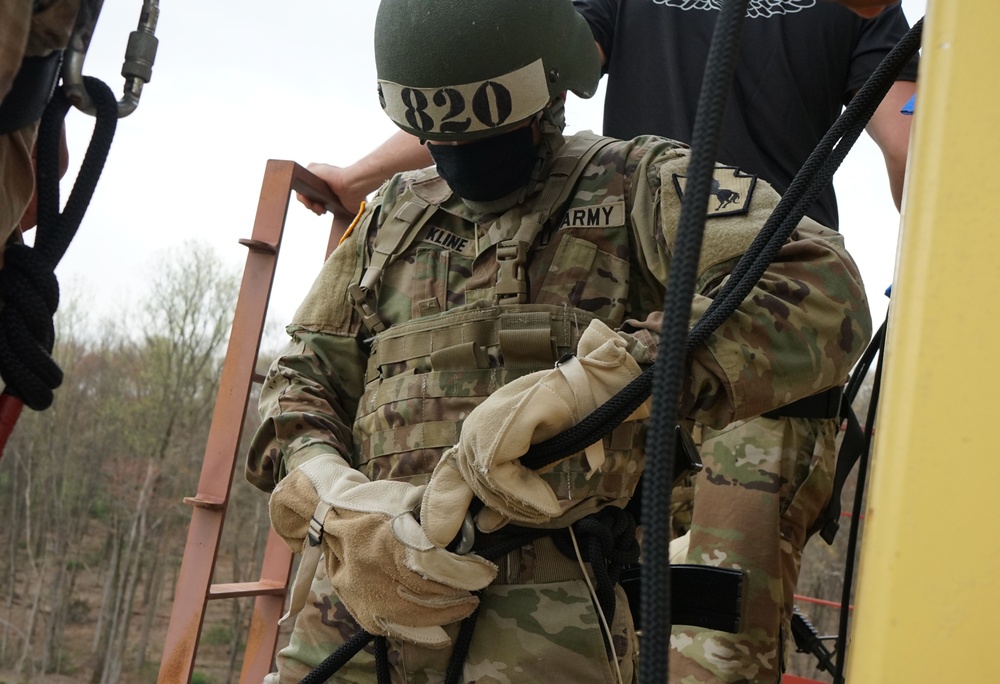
456, 663
382, 675
609, 544
668, 371
29, 291
339, 658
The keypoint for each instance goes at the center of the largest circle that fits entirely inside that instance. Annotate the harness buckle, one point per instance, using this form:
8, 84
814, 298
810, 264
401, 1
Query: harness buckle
512, 282
369, 317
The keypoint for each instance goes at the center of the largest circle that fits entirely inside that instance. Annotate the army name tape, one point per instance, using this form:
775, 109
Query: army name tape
467, 108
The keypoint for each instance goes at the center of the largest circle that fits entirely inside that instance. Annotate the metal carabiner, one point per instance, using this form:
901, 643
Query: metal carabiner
139, 56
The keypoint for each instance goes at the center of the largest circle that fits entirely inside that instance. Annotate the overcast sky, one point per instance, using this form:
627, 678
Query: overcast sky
236, 84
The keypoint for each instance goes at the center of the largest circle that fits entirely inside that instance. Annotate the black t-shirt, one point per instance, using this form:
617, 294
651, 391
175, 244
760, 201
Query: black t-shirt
799, 63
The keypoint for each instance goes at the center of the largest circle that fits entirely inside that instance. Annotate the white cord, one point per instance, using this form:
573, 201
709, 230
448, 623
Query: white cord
597, 604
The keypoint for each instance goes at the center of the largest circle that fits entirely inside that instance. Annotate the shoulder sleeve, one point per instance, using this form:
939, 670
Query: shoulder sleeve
327, 306
602, 16
878, 36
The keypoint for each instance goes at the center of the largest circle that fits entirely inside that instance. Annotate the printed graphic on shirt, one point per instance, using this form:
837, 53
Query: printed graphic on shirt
730, 194
595, 216
449, 241
756, 8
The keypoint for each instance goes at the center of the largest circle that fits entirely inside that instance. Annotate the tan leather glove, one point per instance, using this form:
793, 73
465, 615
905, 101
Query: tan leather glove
385, 571
531, 409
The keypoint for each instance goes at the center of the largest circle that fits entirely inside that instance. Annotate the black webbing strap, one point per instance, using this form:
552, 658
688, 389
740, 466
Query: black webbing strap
847, 457
826, 404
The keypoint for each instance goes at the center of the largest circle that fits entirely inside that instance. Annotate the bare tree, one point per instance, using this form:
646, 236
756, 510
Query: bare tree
92, 485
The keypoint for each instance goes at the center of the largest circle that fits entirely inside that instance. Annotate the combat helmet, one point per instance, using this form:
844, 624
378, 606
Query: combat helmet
470, 69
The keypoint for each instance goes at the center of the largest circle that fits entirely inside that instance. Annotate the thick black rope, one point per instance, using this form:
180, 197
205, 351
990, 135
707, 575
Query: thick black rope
609, 544
814, 176
338, 658
382, 672
29, 291
669, 368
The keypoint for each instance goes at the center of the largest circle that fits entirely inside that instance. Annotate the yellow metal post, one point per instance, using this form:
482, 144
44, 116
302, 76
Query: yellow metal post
928, 607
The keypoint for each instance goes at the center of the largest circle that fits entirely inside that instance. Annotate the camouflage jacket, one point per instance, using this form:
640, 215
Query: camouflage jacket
391, 402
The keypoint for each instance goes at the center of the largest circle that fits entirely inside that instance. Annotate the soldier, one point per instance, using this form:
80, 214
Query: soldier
427, 345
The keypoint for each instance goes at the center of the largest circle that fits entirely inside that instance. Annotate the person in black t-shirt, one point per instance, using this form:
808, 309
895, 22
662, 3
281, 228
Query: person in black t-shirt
799, 63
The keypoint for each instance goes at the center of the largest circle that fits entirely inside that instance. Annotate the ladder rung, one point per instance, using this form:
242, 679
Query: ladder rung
212, 503
238, 589
259, 246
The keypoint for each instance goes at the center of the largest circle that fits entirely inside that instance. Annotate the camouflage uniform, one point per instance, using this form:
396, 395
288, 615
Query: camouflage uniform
27, 29
764, 484
392, 402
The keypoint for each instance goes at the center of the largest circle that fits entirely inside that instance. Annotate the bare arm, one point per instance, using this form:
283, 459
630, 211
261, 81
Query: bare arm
891, 132
352, 184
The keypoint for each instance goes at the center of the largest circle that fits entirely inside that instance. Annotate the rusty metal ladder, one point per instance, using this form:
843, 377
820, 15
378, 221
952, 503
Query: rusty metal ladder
194, 585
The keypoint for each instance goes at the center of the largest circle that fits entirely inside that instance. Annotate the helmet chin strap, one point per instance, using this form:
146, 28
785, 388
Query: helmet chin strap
551, 123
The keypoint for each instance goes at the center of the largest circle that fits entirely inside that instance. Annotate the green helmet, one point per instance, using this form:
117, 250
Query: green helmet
468, 69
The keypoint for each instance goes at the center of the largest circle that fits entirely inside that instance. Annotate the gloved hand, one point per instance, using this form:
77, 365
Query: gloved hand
383, 568
485, 462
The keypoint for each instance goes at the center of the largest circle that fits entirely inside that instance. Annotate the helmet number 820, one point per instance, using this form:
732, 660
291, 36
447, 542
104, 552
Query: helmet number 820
491, 106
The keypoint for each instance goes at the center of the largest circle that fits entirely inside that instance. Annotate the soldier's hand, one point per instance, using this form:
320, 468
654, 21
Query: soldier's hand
529, 410
341, 181
385, 571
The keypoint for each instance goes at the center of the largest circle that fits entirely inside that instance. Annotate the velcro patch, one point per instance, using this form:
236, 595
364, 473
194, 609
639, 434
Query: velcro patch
730, 194
450, 241
595, 216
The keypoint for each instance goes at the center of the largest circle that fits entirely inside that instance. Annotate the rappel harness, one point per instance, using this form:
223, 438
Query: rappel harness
29, 291
677, 342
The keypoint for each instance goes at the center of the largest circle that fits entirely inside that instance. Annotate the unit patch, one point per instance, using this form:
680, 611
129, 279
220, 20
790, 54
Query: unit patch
449, 241
595, 216
730, 194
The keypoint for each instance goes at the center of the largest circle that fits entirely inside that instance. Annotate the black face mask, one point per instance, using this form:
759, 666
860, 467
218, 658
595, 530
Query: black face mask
489, 169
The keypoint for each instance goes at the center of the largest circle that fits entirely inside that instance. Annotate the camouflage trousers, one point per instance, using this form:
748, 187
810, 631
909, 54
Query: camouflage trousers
764, 483
536, 622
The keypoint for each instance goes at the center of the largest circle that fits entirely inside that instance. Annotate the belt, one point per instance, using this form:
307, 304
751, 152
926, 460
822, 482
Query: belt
537, 562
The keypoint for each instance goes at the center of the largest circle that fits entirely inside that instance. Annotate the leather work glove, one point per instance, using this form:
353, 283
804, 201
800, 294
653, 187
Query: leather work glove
383, 568
485, 462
